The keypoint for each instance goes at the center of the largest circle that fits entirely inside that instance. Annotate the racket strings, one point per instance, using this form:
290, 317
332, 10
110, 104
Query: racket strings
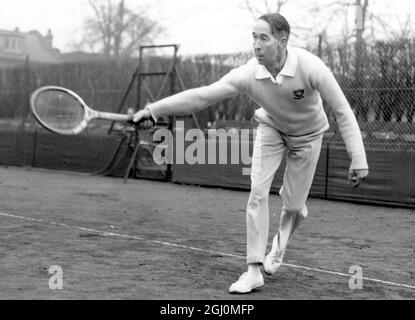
59, 110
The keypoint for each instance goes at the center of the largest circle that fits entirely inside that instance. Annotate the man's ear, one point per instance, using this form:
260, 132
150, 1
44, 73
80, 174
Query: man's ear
283, 42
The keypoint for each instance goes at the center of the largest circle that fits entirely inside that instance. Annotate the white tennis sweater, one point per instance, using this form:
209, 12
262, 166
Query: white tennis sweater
291, 103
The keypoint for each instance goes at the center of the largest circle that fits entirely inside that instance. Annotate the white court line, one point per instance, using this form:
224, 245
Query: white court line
126, 236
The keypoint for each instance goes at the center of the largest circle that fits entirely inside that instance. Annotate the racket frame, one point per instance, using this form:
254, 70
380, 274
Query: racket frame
90, 114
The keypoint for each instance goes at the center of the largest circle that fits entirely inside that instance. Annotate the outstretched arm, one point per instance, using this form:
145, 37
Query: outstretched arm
188, 101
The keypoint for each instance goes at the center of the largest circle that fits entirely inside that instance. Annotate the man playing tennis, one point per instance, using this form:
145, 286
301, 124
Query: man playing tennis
289, 84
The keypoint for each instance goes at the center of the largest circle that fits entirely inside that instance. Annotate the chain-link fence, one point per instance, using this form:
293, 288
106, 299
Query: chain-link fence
379, 83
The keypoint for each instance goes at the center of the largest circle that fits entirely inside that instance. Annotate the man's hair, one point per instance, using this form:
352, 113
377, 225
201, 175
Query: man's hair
277, 23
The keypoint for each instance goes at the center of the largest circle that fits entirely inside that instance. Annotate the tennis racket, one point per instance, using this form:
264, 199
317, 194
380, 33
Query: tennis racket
62, 111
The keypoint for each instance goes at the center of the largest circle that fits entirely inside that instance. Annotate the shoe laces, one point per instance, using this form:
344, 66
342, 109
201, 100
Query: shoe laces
245, 276
276, 254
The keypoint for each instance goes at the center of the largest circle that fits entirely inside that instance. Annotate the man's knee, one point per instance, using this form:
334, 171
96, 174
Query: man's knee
258, 194
293, 210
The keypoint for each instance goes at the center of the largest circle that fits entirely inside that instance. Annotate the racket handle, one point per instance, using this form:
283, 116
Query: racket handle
137, 124
110, 116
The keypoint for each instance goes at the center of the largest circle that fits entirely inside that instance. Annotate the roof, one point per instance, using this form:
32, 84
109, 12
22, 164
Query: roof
36, 47
14, 33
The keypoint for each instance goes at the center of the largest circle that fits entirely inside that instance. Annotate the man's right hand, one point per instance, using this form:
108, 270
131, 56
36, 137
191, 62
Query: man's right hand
141, 116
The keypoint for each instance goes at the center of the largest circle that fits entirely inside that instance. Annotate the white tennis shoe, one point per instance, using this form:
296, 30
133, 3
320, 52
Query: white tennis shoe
246, 283
274, 259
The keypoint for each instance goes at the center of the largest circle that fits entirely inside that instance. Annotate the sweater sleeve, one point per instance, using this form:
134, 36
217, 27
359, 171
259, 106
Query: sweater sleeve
324, 81
197, 99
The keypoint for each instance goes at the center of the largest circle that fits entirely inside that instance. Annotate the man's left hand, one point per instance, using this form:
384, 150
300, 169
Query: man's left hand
356, 176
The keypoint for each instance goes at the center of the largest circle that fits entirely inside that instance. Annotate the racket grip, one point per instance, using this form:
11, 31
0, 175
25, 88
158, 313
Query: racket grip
139, 123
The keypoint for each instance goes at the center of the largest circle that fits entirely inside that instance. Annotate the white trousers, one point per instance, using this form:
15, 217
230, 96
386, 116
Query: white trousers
302, 157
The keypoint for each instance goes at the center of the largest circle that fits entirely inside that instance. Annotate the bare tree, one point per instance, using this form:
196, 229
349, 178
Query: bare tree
332, 15
116, 30
393, 27
257, 8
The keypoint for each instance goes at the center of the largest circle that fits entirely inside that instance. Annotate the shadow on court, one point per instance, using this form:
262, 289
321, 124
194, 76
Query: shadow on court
152, 240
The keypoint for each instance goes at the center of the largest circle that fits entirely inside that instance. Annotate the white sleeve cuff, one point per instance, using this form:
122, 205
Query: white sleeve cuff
155, 118
359, 162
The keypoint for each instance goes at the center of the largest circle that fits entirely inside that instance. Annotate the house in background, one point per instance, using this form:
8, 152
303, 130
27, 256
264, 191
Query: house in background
15, 46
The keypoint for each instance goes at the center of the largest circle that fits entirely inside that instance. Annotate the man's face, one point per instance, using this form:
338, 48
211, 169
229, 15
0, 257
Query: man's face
268, 48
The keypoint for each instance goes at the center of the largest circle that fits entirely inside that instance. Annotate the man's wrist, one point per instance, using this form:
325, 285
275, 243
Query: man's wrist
359, 162
150, 114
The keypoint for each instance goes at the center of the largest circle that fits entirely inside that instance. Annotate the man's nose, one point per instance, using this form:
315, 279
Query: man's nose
257, 46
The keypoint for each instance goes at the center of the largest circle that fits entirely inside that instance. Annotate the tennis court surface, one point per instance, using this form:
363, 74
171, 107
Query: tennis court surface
155, 240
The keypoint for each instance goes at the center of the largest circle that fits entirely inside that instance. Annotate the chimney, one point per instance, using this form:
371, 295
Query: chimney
16, 29
49, 38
